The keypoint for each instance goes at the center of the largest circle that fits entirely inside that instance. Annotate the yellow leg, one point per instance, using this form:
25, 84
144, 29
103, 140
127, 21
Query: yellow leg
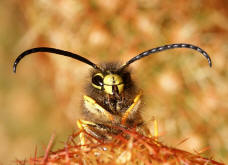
156, 129
83, 125
93, 107
98, 131
81, 135
132, 109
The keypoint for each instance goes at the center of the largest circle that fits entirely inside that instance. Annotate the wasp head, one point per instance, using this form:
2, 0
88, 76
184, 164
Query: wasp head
110, 79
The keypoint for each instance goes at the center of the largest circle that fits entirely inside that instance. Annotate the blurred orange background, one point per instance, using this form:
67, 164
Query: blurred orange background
188, 98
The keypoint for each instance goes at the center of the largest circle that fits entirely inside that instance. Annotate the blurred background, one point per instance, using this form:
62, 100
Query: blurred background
187, 97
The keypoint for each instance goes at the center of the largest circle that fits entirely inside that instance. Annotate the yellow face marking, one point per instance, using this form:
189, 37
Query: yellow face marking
132, 108
112, 80
96, 109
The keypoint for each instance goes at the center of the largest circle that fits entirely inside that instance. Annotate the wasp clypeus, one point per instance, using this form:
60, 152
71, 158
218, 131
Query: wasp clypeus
112, 100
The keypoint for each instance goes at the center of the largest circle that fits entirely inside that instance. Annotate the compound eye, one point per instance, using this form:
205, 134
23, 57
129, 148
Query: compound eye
97, 80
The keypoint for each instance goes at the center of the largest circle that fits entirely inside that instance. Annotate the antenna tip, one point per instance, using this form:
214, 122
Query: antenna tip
15, 67
210, 63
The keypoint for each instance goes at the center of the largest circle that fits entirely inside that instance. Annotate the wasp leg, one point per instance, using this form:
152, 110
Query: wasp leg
98, 131
133, 109
100, 115
98, 111
82, 126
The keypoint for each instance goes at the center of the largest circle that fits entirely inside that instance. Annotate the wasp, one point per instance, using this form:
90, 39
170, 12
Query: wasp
112, 99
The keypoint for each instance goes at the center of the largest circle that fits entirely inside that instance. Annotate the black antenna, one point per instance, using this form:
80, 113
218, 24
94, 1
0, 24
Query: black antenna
55, 51
166, 47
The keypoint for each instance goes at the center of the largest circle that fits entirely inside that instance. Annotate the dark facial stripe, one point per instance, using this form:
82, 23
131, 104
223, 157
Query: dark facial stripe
115, 89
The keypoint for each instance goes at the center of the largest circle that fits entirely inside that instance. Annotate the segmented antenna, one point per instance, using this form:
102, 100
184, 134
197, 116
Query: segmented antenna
166, 47
55, 51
